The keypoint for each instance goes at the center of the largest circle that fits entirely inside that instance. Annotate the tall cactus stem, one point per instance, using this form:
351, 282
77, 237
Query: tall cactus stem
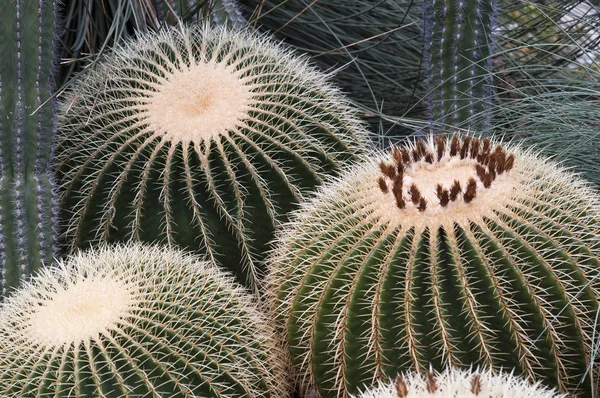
27, 128
458, 43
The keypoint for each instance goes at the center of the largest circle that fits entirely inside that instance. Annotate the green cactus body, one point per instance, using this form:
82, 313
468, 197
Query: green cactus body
137, 321
447, 253
458, 383
458, 43
27, 127
201, 138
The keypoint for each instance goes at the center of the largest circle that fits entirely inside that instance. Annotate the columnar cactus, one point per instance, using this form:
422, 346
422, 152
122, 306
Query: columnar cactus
27, 127
458, 44
457, 383
451, 252
203, 138
133, 321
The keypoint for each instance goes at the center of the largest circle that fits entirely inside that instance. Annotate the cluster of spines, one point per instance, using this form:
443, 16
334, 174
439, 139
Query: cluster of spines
27, 129
457, 43
490, 162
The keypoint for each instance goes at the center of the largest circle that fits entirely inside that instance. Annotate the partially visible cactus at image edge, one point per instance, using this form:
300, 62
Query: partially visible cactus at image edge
445, 252
458, 383
204, 138
137, 321
27, 130
458, 41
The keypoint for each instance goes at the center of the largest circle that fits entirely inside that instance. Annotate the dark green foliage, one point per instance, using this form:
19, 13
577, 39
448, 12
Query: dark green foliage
91, 27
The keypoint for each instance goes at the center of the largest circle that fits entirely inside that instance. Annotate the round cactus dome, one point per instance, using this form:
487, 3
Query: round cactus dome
458, 383
201, 138
134, 321
454, 251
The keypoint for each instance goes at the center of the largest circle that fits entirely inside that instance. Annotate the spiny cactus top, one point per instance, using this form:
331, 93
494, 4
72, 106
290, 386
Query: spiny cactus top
136, 321
457, 383
202, 138
448, 252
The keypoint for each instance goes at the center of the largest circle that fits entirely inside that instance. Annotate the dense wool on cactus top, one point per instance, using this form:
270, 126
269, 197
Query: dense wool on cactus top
457, 383
201, 138
452, 252
134, 321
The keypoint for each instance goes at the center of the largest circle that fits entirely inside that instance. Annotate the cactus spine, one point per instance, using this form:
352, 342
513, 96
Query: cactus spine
458, 42
27, 128
203, 138
452, 252
458, 383
133, 321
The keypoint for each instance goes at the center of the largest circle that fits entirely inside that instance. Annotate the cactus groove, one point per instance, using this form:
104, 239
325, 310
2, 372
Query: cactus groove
202, 138
27, 126
452, 252
133, 321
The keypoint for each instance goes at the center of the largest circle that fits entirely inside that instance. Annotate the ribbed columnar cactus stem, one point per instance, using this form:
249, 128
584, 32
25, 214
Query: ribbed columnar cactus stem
137, 321
458, 42
202, 138
27, 129
451, 252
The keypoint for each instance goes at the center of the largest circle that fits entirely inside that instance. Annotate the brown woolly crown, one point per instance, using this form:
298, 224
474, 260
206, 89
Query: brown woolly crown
485, 160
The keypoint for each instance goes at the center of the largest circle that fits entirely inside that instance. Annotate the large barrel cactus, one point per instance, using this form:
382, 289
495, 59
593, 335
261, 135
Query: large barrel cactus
201, 138
451, 252
458, 383
137, 321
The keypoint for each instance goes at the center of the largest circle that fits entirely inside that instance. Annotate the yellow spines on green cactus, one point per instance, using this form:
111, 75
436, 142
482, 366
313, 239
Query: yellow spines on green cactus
458, 383
450, 252
202, 138
137, 321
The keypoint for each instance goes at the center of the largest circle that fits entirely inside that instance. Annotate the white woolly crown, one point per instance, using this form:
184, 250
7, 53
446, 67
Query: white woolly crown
457, 383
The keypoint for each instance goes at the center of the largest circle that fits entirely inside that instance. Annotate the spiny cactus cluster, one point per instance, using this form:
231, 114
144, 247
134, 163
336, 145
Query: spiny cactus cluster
452, 252
203, 138
133, 321
457, 383
28, 204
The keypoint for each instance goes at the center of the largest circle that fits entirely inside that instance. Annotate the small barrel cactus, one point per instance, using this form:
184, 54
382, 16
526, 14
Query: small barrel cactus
458, 383
450, 252
133, 321
203, 138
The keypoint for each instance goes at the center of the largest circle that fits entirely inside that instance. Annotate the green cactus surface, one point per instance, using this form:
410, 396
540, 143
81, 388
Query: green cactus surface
137, 321
447, 252
458, 383
203, 138
28, 202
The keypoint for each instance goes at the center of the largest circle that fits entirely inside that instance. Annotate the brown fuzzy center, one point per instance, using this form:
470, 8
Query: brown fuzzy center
424, 178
